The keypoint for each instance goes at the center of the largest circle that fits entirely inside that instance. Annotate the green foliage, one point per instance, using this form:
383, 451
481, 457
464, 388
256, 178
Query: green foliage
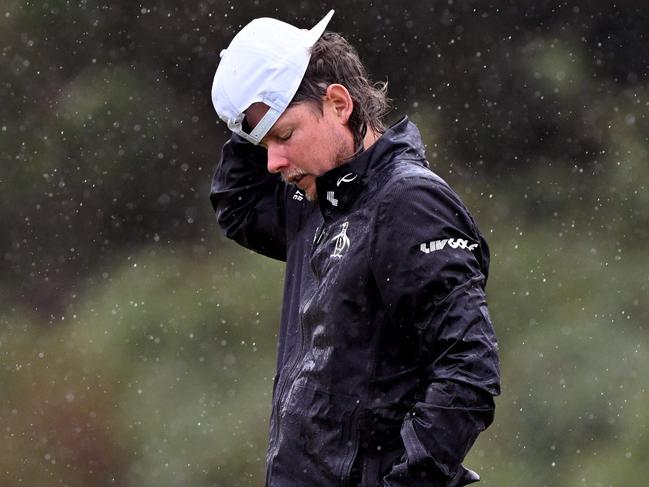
161, 377
572, 348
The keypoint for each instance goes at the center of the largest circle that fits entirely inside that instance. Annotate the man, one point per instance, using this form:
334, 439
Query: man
387, 360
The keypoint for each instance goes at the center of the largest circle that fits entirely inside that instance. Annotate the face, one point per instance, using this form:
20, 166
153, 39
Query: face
304, 144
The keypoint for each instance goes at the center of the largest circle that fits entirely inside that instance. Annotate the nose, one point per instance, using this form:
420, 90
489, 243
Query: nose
276, 160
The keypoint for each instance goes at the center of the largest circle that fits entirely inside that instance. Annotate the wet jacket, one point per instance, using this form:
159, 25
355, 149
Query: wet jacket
387, 360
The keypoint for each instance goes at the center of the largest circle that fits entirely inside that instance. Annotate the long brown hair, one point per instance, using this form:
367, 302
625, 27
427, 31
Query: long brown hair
334, 60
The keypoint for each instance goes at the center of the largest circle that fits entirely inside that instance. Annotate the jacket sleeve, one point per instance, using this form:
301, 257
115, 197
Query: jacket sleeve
248, 200
429, 263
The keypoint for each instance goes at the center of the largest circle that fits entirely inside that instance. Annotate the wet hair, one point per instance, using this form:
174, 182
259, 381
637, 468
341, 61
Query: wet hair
334, 60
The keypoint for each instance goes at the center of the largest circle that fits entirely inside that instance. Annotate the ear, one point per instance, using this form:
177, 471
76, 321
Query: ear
340, 100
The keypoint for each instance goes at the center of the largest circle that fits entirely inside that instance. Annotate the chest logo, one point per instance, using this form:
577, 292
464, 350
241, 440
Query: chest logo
342, 241
331, 198
347, 178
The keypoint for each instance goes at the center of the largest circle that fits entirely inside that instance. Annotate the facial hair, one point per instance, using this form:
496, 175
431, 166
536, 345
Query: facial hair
342, 155
290, 176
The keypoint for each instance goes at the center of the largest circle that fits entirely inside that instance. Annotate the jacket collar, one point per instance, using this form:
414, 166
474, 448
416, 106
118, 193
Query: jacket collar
338, 188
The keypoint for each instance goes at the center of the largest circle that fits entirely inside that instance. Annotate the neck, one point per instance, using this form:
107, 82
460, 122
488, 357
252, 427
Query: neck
370, 137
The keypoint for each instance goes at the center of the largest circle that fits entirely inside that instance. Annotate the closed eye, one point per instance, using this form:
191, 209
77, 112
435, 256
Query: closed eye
285, 136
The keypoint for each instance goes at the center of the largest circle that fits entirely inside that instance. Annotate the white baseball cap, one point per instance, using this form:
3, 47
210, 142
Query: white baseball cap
265, 62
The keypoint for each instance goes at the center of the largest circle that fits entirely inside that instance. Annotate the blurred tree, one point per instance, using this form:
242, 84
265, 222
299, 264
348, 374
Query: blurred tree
137, 346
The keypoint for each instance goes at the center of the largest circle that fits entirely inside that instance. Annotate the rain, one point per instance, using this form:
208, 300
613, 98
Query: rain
138, 345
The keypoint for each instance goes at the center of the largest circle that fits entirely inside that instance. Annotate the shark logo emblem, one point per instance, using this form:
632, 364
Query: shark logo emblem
342, 241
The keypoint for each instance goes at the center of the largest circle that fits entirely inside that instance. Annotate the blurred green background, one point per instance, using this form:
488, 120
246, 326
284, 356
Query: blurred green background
137, 345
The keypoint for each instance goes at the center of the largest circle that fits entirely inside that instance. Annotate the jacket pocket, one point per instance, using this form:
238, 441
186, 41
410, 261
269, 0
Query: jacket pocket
371, 472
316, 437
376, 463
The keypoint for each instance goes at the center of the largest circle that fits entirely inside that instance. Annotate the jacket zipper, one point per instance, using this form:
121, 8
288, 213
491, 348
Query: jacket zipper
287, 379
280, 396
354, 436
281, 386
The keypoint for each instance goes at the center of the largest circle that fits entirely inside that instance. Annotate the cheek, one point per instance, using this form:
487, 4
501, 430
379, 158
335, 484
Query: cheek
341, 144
330, 141
313, 153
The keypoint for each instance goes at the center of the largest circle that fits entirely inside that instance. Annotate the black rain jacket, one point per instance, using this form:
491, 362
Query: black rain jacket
387, 359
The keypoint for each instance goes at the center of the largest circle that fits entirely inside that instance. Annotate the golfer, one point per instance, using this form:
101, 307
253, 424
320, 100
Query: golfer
387, 360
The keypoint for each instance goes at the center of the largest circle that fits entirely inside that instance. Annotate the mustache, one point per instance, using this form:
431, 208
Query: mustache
290, 176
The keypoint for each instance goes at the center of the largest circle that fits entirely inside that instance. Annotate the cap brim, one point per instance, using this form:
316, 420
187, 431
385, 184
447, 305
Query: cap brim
317, 30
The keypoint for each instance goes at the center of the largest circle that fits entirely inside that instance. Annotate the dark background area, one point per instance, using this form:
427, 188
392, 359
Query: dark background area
137, 345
